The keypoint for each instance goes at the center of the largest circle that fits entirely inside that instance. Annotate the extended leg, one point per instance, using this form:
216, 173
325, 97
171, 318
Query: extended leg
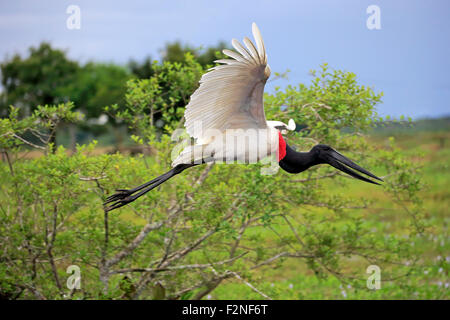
124, 196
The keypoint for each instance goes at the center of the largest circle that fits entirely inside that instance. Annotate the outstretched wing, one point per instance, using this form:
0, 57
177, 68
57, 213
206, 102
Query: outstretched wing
230, 95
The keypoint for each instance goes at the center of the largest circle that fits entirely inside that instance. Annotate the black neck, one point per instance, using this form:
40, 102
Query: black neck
295, 162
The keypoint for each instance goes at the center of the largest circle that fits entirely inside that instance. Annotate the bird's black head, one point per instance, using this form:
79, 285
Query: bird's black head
295, 162
321, 153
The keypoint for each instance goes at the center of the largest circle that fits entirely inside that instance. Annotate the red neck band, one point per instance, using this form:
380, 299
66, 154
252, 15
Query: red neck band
281, 147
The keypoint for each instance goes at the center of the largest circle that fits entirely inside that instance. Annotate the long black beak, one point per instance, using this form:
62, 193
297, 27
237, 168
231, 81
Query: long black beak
340, 162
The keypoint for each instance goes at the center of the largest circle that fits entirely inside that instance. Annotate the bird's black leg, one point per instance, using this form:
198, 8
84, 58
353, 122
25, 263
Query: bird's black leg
122, 193
124, 196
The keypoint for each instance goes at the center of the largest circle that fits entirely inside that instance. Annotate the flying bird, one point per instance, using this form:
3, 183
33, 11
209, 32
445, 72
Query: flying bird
228, 105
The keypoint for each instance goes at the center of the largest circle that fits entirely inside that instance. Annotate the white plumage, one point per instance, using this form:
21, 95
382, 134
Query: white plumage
230, 98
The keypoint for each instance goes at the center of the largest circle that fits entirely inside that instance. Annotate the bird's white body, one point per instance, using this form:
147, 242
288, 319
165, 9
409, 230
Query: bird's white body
233, 145
225, 114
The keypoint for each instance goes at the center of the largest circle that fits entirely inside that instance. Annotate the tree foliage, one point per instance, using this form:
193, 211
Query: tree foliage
47, 76
39, 79
176, 51
157, 104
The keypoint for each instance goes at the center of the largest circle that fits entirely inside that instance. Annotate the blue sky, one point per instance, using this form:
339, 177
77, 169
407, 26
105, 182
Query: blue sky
408, 59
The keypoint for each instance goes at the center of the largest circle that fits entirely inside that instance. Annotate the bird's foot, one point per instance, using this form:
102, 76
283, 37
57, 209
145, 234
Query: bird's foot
120, 194
119, 199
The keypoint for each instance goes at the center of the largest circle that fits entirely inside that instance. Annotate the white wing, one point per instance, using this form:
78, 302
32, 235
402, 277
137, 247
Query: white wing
230, 96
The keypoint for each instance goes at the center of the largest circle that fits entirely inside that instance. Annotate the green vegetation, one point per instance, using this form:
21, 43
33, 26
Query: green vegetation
222, 231
293, 280
47, 76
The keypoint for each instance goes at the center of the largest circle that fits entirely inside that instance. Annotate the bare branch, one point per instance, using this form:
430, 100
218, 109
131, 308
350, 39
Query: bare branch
250, 285
135, 243
50, 239
283, 254
180, 267
92, 178
28, 142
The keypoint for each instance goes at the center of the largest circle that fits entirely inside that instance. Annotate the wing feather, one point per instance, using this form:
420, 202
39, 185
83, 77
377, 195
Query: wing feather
234, 55
241, 49
230, 95
252, 49
259, 42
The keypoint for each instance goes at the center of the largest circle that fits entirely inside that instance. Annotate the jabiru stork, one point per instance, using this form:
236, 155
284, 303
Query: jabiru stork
228, 101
